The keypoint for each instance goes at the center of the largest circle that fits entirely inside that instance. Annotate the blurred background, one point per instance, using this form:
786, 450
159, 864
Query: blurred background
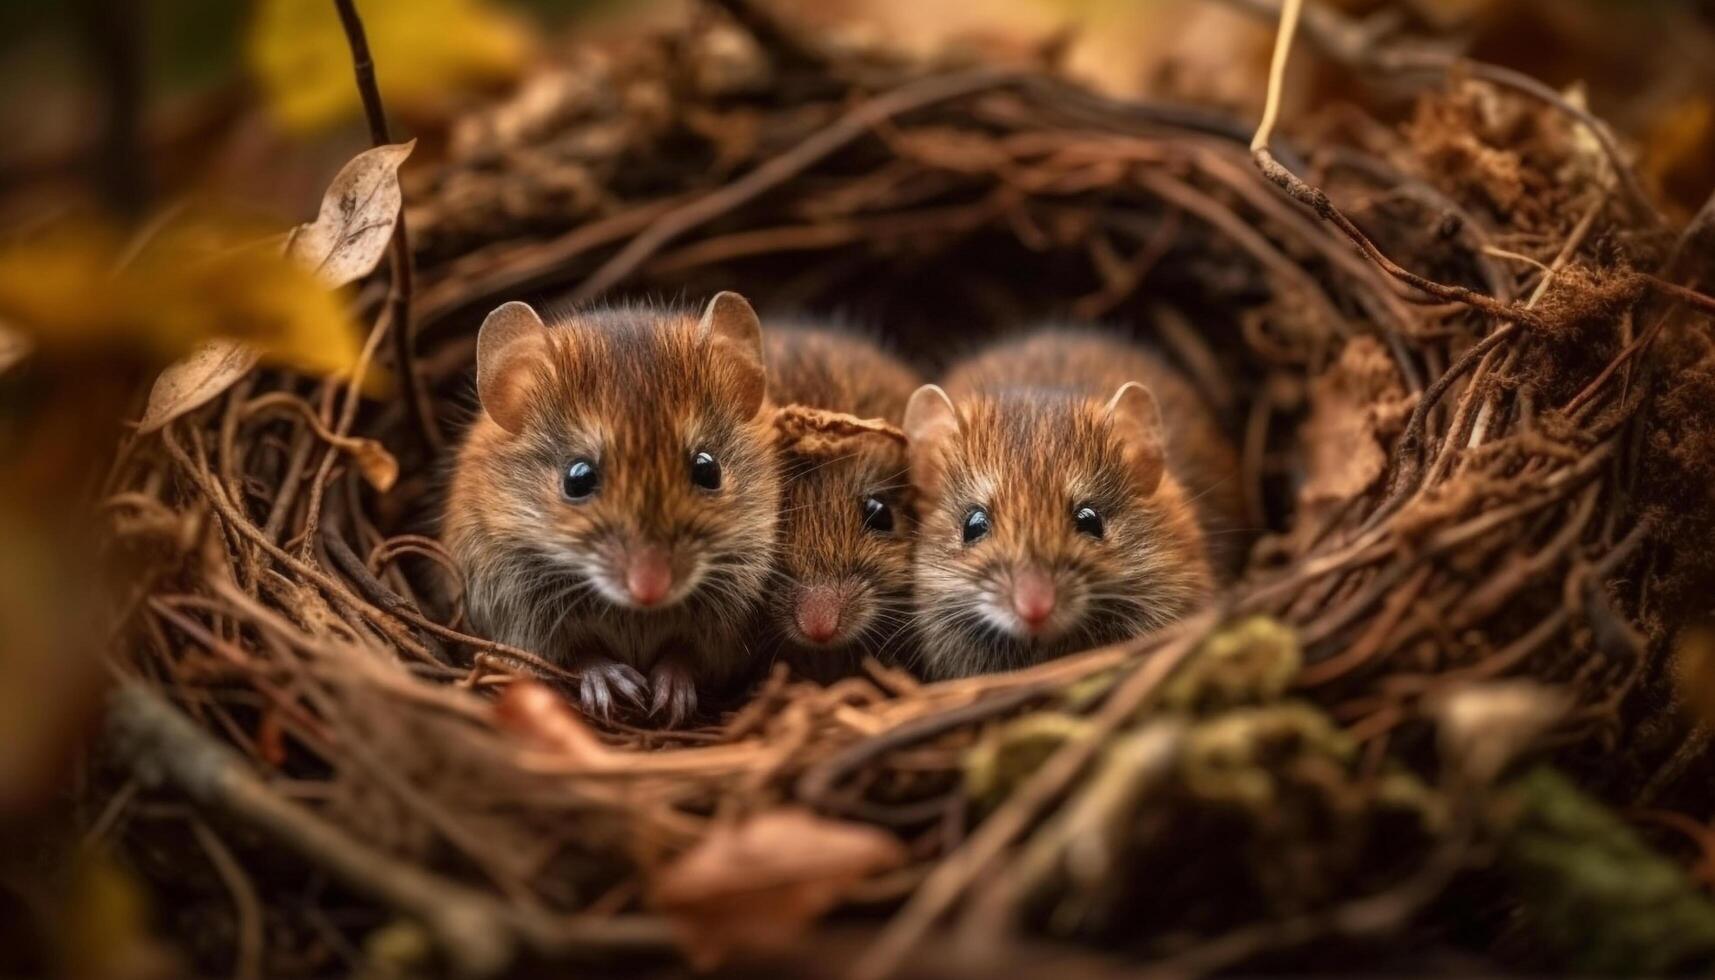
137, 100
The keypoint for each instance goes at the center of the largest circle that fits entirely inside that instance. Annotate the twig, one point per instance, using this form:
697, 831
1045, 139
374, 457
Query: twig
163, 746
817, 782
1289, 12
399, 260
784, 167
959, 869
1689, 297
372, 587
1358, 46
1317, 200
114, 32
251, 927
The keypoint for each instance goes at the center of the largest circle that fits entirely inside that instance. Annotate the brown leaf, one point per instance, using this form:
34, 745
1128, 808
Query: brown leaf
1350, 405
349, 236
541, 717
380, 470
195, 381
759, 884
14, 347
355, 224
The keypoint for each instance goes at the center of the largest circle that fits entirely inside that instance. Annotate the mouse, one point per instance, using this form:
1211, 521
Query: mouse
844, 560
614, 504
1067, 481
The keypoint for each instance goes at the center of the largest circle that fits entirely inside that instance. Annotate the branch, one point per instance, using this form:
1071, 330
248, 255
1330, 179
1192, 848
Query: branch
777, 170
417, 405
1358, 45
162, 746
1317, 200
116, 53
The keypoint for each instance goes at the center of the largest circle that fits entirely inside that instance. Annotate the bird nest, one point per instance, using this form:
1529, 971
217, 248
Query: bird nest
1473, 394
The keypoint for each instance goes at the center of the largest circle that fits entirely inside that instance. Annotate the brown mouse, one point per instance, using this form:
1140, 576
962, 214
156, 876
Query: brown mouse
1066, 482
615, 503
846, 520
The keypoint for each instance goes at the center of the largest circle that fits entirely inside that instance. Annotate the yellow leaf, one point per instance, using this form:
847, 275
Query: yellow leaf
422, 50
74, 289
350, 234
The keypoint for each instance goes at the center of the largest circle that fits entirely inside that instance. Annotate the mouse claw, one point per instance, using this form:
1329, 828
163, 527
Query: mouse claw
600, 684
675, 692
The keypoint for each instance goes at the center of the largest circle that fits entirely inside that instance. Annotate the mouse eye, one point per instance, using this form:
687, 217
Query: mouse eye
1089, 521
877, 516
705, 471
581, 480
976, 525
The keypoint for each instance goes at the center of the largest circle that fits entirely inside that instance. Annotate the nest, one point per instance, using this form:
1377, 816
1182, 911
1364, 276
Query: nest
1472, 439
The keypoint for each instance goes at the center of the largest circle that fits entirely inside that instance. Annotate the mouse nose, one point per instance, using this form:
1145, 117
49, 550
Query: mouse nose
648, 575
1033, 598
818, 613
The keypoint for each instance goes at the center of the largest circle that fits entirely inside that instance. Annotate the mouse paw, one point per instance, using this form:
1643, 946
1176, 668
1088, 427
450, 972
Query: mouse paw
675, 691
601, 684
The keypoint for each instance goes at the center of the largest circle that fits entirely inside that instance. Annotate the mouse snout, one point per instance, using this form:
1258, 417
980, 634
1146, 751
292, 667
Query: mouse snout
818, 613
648, 574
1033, 598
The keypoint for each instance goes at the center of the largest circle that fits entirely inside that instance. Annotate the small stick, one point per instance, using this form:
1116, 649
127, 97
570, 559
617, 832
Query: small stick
1317, 200
959, 869
162, 745
784, 167
251, 931
399, 254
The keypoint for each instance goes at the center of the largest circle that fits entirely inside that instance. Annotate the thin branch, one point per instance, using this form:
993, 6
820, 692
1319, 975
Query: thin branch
1317, 200
163, 746
784, 167
1289, 12
959, 870
399, 262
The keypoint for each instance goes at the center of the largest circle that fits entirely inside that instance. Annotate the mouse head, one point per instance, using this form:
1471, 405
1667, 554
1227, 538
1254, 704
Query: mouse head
1049, 524
629, 450
845, 545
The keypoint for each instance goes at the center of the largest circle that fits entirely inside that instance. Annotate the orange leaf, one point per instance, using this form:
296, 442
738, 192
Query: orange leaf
759, 884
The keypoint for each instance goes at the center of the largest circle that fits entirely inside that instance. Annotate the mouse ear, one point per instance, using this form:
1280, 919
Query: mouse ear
732, 330
504, 348
1136, 419
931, 422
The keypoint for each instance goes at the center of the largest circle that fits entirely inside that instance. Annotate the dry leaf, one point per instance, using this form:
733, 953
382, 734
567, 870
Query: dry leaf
758, 885
1349, 405
355, 225
349, 236
1482, 728
380, 470
195, 381
14, 347
423, 50
543, 718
